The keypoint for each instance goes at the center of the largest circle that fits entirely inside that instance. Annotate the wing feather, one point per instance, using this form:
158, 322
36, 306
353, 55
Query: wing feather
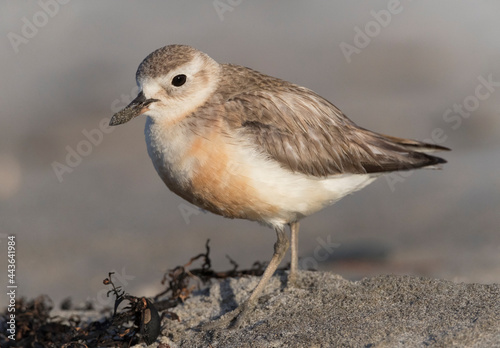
306, 133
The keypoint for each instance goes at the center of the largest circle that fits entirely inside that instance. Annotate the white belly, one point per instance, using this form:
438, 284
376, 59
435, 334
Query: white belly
298, 195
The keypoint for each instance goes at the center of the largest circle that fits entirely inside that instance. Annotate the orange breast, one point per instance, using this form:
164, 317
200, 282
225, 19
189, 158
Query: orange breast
220, 183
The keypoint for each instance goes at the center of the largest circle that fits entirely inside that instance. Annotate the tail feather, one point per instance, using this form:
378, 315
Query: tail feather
414, 145
398, 154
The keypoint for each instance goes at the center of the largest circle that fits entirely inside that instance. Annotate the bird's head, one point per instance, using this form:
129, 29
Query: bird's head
173, 81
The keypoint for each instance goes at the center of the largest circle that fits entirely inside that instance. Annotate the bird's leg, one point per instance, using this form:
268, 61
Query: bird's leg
294, 233
280, 248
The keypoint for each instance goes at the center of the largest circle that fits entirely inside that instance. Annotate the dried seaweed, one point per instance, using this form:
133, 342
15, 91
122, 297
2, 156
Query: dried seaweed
138, 321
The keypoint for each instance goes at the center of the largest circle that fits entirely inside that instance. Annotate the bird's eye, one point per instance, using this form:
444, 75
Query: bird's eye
179, 80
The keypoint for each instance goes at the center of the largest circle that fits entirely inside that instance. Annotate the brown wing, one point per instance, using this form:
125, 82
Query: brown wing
306, 133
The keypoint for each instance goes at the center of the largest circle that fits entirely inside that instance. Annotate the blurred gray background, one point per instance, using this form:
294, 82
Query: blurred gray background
403, 70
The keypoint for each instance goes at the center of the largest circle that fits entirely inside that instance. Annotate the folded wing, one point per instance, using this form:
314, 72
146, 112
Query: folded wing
306, 133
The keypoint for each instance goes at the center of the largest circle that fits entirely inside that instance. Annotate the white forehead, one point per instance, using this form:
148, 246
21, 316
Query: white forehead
150, 87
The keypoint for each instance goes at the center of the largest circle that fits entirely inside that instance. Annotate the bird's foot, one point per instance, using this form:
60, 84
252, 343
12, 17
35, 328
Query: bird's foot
292, 280
292, 283
231, 320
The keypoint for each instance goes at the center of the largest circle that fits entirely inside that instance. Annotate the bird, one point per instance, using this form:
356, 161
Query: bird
245, 145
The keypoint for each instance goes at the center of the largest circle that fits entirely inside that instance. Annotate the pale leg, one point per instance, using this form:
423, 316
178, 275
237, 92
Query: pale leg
280, 248
294, 264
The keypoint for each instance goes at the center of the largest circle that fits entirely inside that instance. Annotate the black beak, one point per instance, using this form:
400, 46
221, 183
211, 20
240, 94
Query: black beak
137, 107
